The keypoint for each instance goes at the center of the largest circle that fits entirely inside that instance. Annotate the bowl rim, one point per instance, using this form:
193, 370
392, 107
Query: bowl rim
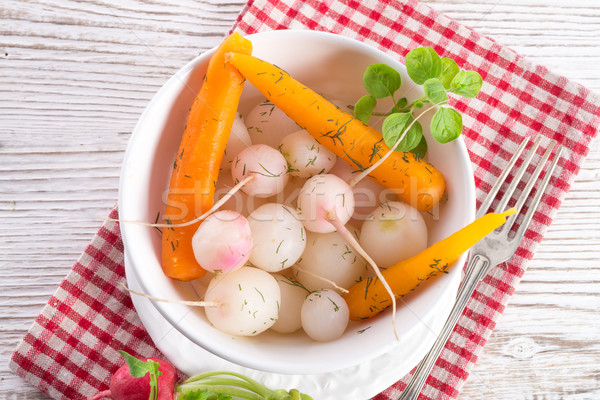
128, 231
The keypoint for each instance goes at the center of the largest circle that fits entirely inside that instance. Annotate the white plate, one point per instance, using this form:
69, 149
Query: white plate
333, 65
360, 382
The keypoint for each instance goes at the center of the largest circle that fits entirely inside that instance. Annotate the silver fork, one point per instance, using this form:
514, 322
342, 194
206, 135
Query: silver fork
497, 247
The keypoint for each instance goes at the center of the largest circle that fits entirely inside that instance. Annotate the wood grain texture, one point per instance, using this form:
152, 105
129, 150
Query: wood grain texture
76, 75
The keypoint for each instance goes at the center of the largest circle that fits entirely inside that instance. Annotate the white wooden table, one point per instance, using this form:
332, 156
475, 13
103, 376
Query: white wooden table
75, 75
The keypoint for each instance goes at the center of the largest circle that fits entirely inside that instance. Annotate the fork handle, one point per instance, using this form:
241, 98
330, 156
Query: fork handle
476, 269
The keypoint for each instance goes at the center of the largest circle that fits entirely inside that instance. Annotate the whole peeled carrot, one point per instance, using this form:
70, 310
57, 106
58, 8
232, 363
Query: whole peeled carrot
411, 178
196, 167
369, 297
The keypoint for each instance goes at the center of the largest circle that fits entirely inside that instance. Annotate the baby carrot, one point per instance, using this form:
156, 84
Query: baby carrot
411, 178
369, 297
196, 167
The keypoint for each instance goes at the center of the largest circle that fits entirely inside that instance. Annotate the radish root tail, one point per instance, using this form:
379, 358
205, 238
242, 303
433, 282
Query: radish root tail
102, 395
346, 234
185, 302
213, 209
341, 289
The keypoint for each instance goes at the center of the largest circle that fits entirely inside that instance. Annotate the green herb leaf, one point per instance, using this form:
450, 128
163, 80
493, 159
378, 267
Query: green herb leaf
421, 149
467, 84
364, 108
434, 90
395, 125
449, 70
139, 368
446, 125
381, 80
403, 102
423, 63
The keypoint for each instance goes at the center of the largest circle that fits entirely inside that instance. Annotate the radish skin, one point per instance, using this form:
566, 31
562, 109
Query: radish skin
305, 156
248, 300
239, 139
292, 298
223, 242
321, 195
329, 262
266, 165
324, 315
124, 386
267, 124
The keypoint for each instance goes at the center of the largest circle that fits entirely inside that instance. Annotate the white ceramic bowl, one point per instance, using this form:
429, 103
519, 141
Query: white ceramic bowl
332, 65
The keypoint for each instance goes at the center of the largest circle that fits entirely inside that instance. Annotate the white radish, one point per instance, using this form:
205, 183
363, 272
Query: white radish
292, 298
268, 167
268, 125
329, 262
325, 315
239, 139
279, 237
223, 242
305, 156
321, 196
248, 301
394, 232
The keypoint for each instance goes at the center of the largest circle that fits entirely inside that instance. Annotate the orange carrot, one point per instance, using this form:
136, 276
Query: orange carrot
196, 167
411, 178
369, 297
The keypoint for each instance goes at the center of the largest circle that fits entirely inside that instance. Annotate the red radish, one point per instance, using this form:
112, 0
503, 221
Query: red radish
154, 379
124, 386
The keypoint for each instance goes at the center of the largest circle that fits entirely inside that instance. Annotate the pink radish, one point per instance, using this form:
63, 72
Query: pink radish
323, 196
124, 386
223, 242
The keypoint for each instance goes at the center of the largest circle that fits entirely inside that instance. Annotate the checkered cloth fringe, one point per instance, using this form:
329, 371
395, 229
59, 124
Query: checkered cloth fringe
70, 351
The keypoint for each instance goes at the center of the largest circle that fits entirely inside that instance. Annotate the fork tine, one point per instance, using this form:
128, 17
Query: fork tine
518, 175
538, 196
530, 183
483, 209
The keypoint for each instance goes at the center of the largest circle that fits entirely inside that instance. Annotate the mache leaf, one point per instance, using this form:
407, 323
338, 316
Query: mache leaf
381, 80
446, 125
423, 63
467, 84
421, 149
394, 126
364, 108
449, 70
435, 91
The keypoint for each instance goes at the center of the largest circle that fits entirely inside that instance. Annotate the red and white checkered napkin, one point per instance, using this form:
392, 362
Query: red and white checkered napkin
70, 351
